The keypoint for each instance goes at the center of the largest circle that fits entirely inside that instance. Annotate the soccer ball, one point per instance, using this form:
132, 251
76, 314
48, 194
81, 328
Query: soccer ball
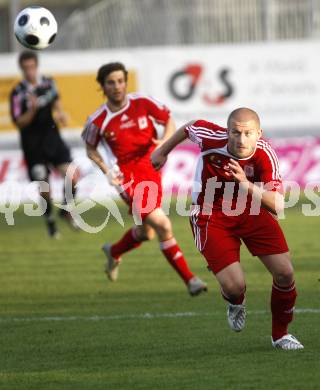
35, 27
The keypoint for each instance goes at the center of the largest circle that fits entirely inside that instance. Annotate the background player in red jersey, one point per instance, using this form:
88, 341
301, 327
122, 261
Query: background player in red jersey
124, 126
235, 158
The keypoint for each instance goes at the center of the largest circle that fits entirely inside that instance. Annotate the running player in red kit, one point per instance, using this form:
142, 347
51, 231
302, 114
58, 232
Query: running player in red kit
238, 166
124, 126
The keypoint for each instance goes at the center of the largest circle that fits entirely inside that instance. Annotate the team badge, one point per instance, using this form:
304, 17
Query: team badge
143, 122
249, 170
216, 161
109, 135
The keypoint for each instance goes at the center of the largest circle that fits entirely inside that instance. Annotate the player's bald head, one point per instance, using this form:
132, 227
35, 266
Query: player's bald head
243, 115
243, 132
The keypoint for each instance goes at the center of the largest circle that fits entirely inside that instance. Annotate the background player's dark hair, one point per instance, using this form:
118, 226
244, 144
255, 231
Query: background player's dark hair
27, 55
106, 69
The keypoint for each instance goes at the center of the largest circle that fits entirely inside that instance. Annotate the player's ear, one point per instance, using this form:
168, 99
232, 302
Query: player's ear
259, 133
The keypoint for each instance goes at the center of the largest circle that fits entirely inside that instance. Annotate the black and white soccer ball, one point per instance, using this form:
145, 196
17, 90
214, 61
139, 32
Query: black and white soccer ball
35, 27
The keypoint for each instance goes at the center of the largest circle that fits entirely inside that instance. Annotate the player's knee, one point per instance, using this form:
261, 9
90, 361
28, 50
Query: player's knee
150, 234
147, 235
234, 289
144, 234
164, 229
39, 172
284, 276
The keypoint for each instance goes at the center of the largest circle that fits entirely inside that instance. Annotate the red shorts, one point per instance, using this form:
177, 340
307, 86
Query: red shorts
143, 189
218, 237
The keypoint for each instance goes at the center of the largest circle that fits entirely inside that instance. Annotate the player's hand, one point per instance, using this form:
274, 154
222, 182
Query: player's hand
236, 172
158, 159
157, 142
33, 102
62, 118
115, 176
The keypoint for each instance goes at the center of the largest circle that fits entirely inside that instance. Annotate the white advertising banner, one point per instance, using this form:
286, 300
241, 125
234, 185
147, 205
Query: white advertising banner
279, 80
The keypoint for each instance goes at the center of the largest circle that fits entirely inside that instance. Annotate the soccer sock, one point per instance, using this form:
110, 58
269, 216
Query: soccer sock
48, 211
234, 300
282, 307
175, 257
64, 197
128, 242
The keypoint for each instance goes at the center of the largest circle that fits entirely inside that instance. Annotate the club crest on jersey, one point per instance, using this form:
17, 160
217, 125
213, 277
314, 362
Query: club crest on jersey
109, 136
218, 162
143, 122
249, 170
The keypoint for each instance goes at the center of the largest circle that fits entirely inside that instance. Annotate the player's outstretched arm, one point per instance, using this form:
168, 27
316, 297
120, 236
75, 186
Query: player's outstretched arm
60, 113
96, 157
26, 118
169, 129
114, 176
159, 156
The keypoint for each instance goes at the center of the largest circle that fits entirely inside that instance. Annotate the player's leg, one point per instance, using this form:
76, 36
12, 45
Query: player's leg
283, 297
172, 252
265, 239
39, 172
221, 248
233, 287
132, 239
232, 283
60, 157
71, 176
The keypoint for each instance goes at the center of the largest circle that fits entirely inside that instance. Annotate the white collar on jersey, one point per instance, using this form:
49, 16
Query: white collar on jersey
224, 151
30, 87
111, 114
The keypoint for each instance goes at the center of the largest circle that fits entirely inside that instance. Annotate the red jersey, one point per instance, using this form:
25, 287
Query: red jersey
261, 167
129, 131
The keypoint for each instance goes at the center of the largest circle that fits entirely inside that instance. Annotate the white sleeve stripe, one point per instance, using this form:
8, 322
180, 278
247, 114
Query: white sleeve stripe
214, 136
273, 159
207, 129
156, 102
208, 134
90, 134
96, 114
267, 145
272, 163
211, 137
193, 136
276, 175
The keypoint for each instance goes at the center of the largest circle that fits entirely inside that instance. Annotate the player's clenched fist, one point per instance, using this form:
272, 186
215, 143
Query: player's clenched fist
115, 176
158, 159
236, 171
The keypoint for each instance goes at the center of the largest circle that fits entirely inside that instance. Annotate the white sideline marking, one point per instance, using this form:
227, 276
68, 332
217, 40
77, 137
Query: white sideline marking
143, 316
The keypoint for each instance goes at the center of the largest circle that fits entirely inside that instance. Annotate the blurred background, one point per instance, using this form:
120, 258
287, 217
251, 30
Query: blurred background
202, 58
90, 24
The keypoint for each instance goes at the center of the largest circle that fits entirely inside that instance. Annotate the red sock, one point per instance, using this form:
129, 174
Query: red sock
234, 300
282, 307
175, 257
125, 244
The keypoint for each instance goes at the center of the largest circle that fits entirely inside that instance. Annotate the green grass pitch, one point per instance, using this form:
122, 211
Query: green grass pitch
64, 326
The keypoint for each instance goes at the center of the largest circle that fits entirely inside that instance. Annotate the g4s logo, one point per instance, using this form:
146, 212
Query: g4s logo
193, 73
